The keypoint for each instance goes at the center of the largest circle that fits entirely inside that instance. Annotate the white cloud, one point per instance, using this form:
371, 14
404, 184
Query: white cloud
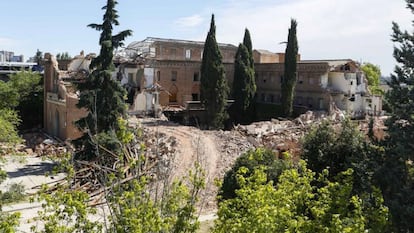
326, 29
189, 22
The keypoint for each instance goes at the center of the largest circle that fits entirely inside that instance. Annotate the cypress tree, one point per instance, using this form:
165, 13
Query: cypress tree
396, 174
290, 76
213, 88
100, 94
244, 85
247, 41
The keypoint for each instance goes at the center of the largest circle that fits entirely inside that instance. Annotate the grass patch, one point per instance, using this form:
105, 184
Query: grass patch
14, 194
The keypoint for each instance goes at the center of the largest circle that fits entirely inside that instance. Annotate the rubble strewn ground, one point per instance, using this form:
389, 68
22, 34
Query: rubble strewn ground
176, 148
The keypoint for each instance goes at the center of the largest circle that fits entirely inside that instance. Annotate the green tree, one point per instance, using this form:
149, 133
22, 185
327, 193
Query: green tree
253, 159
29, 87
38, 57
340, 148
63, 56
213, 88
396, 176
290, 75
136, 210
66, 211
295, 204
373, 74
9, 121
244, 84
22, 99
100, 94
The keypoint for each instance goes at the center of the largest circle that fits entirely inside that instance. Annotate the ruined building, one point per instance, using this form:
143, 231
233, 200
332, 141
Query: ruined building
61, 97
174, 65
321, 85
161, 74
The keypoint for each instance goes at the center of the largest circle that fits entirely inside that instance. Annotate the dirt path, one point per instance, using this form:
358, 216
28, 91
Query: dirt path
194, 145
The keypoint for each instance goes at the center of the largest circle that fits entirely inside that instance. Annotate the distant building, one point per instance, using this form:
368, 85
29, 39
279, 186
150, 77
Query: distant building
175, 66
7, 56
321, 85
8, 68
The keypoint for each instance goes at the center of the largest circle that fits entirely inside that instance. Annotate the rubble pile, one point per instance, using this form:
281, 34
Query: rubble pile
161, 149
36, 143
276, 135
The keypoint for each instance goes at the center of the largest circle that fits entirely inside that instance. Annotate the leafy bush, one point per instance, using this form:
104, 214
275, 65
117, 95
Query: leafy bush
341, 148
15, 193
9, 121
295, 204
251, 160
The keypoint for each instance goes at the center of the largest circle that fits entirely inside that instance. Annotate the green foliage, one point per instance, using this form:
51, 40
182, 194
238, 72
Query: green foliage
213, 83
135, 210
338, 149
23, 95
372, 73
395, 176
9, 120
63, 56
244, 84
290, 76
247, 41
100, 94
9, 96
251, 160
66, 211
9, 222
15, 193
294, 204
29, 86
38, 57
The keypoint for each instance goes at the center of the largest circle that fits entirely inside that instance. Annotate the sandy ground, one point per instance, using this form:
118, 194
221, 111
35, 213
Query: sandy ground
215, 150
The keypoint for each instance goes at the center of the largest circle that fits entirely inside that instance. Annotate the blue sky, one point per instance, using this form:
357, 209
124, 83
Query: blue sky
327, 29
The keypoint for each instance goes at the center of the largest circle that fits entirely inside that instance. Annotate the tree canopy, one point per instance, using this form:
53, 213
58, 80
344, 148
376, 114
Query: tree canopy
253, 159
101, 94
290, 75
244, 84
22, 104
213, 83
396, 173
296, 204
373, 74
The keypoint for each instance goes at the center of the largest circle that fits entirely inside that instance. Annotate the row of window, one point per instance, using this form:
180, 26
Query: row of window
174, 75
301, 80
299, 100
187, 53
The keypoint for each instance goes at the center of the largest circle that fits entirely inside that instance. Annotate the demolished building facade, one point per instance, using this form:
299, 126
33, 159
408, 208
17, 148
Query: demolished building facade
61, 97
165, 73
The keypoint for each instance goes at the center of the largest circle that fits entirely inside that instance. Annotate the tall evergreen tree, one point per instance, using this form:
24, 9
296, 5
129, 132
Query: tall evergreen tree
247, 41
290, 76
396, 175
213, 88
244, 85
100, 94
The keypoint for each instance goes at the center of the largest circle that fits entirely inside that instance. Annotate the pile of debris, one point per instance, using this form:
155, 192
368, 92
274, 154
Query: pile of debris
40, 144
154, 152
